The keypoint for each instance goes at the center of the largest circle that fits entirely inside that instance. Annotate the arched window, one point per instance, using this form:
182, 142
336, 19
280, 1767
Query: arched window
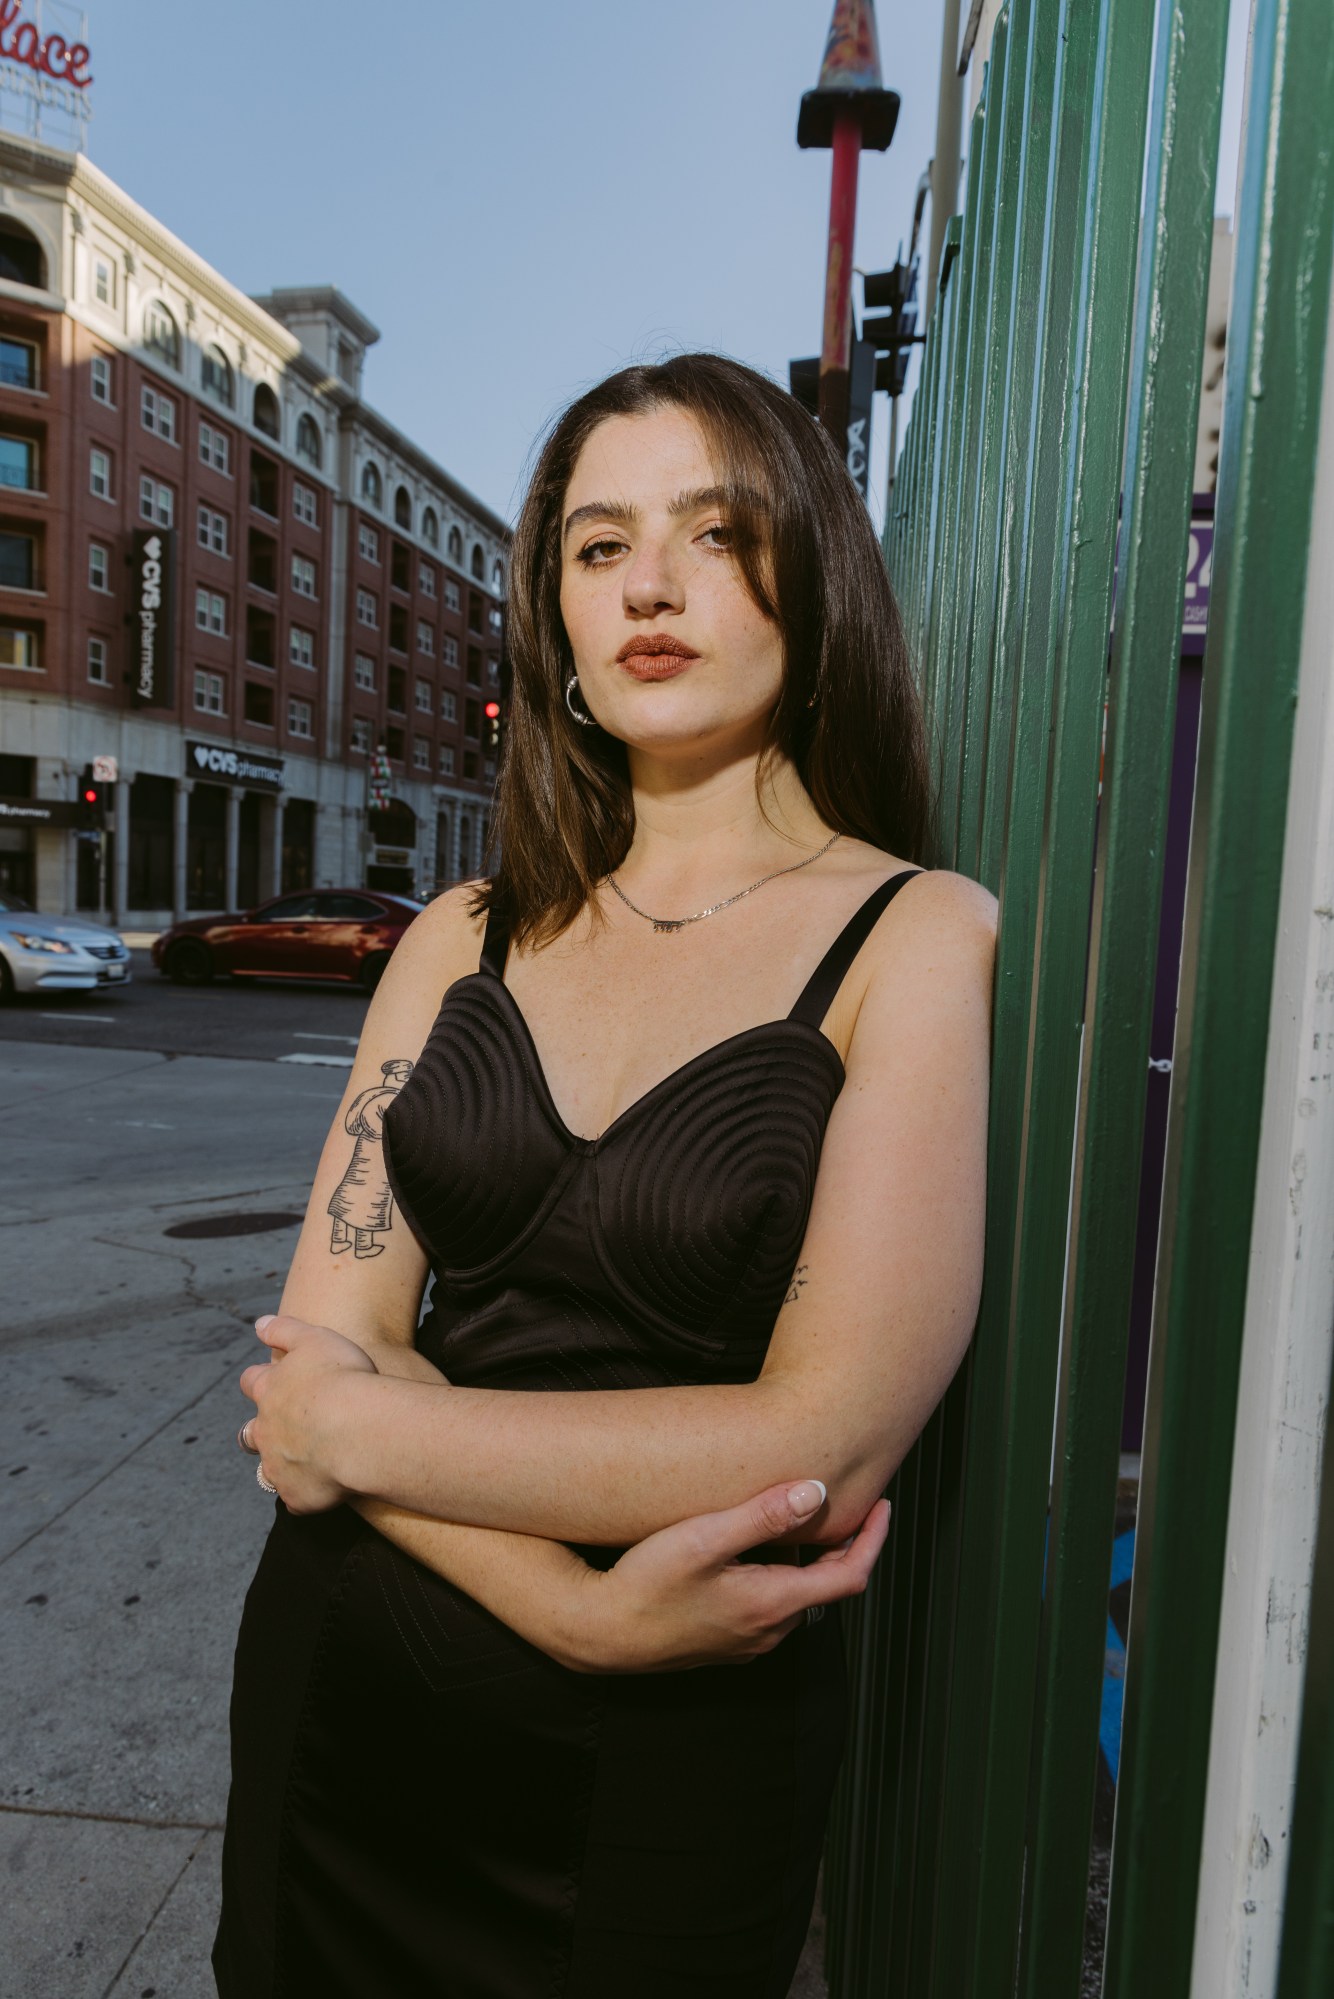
266, 410
431, 528
308, 439
372, 491
455, 545
162, 334
403, 508
478, 561
21, 259
218, 381
497, 578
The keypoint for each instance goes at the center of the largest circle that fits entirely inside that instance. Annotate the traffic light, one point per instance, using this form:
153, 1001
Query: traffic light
492, 713
894, 333
92, 803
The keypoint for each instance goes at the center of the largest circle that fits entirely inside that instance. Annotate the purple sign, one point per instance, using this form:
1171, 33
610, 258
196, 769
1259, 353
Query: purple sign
1199, 571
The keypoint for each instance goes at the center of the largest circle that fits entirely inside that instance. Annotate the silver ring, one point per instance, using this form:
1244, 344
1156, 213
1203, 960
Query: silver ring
814, 1612
259, 1474
243, 1439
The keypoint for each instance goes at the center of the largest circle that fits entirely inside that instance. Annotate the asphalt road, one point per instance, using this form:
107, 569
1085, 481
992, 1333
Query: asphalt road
269, 1020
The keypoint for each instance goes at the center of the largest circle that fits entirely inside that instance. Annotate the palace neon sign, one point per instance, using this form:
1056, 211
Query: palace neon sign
50, 55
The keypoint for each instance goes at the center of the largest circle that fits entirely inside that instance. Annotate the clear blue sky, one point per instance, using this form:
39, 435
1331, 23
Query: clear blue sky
522, 196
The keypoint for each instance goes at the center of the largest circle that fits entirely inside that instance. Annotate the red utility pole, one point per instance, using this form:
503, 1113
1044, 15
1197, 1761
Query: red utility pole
847, 110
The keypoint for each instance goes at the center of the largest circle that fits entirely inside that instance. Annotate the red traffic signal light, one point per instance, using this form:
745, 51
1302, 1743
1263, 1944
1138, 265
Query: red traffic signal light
492, 710
90, 795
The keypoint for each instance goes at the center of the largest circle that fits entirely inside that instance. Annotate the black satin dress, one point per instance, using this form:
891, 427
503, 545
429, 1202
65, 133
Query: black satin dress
423, 1806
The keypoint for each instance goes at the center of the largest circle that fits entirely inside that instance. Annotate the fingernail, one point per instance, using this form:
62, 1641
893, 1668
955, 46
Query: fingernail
808, 1497
267, 1320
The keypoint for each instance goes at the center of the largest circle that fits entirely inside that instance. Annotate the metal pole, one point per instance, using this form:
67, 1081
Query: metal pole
836, 351
946, 162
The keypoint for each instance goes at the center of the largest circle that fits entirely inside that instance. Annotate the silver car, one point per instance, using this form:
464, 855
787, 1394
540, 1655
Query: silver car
56, 954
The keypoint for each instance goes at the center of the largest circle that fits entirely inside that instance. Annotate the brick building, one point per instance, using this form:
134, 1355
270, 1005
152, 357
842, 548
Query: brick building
332, 588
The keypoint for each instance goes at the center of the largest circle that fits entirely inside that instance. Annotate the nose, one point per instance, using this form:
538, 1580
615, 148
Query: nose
652, 581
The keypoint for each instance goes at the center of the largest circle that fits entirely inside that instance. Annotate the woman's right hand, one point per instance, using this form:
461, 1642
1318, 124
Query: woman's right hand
683, 1598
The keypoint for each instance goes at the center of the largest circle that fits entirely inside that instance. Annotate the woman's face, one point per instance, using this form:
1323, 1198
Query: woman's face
672, 652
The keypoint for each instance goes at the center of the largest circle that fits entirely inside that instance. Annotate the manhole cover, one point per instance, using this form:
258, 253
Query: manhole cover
215, 1225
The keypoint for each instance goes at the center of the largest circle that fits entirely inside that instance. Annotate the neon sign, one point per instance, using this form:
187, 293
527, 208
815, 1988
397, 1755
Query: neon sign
50, 54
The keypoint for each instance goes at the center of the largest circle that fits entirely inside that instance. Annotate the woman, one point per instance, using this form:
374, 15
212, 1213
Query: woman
704, 967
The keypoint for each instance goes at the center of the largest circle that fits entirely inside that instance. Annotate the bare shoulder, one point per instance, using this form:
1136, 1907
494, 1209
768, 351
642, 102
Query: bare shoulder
438, 947
943, 911
929, 965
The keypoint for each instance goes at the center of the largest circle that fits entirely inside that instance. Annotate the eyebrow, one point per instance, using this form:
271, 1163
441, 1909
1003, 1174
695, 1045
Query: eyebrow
689, 502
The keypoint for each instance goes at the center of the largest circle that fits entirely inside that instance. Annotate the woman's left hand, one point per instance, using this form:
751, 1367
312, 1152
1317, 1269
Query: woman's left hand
291, 1430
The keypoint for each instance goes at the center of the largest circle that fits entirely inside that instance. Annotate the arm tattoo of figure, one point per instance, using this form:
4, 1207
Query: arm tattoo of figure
362, 1204
794, 1289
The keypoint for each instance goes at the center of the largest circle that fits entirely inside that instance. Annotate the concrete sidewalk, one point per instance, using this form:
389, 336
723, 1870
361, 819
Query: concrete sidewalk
132, 1524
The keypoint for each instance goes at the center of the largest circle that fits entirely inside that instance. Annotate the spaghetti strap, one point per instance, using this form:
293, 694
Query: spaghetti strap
818, 994
495, 944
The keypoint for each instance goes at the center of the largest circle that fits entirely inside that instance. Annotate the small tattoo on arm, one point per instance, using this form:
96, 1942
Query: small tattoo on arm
362, 1205
794, 1289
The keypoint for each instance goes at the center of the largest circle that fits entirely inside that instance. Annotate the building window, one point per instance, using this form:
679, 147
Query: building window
421, 753
474, 612
447, 759
258, 703
18, 464
455, 545
308, 439
300, 718
426, 638
424, 702
99, 473
474, 669
372, 487
303, 576
104, 281
157, 413
215, 448
97, 566
403, 508
368, 609
449, 707
400, 568
393, 744
99, 671
361, 735
18, 364
162, 334
398, 628
304, 504
494, 618
426, 580
18, 647
493, 669
452, 599
363, 673
368, 541
431, 527
472, 718
208, 692
217, 379
497, 578
266, 410
157, 503
478, 561
211, 612
18, 561
264, 484
449, 650
398, 689
470, 763
214, 531
99, 378
301, 646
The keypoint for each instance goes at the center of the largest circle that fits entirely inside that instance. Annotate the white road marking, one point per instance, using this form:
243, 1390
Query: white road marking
348, 1040
102, 1019
322, 1061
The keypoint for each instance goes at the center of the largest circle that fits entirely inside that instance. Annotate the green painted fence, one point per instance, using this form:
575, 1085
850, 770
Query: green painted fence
1056, 418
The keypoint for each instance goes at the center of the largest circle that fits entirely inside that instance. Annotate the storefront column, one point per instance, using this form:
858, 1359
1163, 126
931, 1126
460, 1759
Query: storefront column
276, 854
181, 847
231, 864
120, 887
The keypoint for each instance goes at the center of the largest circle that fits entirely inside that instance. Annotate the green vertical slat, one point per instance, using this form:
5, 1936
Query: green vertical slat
1306, 1961
944, 330
1262, 526
1174, 266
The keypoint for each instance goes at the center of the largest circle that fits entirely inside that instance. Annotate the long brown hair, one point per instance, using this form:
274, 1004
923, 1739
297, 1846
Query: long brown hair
848, 716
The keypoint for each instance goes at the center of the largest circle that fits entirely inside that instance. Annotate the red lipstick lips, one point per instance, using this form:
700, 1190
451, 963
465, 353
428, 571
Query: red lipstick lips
655, 656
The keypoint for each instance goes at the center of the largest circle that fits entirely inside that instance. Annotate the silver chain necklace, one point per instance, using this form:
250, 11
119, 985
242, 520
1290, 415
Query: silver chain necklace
666, 923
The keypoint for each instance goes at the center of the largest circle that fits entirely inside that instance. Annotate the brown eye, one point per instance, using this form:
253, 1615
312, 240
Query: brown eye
597, 553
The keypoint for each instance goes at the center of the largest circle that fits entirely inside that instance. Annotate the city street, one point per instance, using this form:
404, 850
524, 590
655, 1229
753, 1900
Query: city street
162, 1143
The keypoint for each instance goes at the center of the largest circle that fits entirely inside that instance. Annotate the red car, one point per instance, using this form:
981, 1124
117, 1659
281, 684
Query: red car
322, 933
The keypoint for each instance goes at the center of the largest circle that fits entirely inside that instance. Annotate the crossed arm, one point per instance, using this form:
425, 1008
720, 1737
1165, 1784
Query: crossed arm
862, 1350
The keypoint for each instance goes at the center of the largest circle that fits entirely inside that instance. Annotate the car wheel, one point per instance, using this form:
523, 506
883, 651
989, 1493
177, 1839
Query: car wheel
372, 971
190, 963
6, 982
